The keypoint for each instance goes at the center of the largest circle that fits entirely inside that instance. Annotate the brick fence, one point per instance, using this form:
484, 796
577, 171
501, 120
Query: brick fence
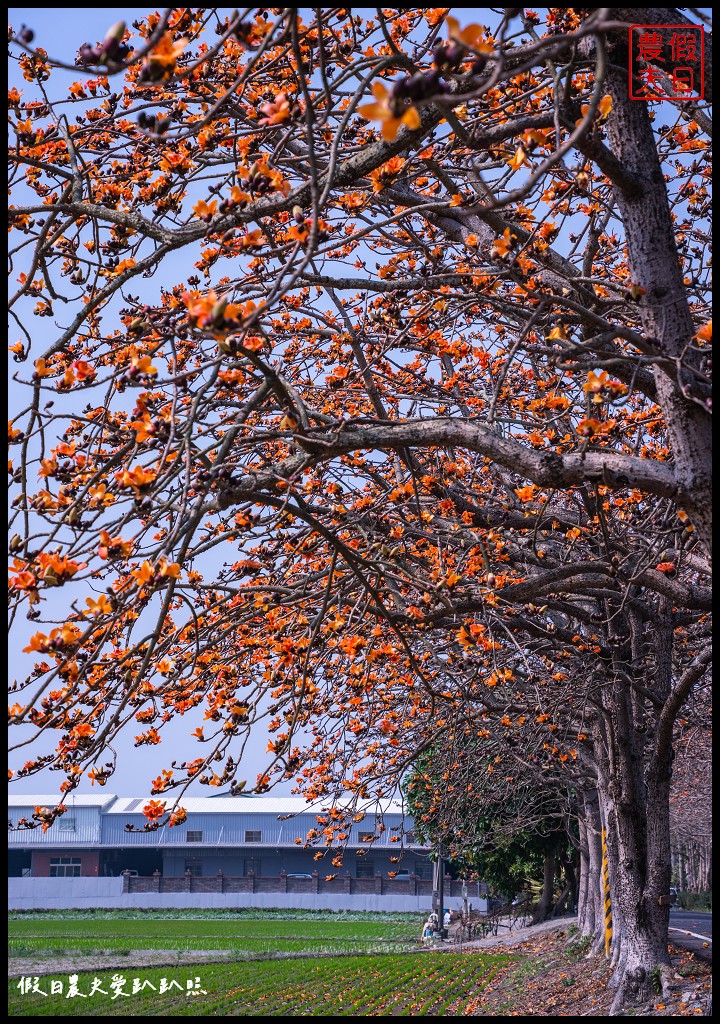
380, 885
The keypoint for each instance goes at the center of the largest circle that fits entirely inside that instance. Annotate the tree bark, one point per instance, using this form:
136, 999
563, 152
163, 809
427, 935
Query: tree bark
635, 804
593, 923
655, 268
584, 904
544, 907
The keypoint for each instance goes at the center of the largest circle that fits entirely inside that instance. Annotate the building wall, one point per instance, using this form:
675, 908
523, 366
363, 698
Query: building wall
106, 893
271, 861
95, 831
225, 828
89, 862
85, 830
70, 893
237, 862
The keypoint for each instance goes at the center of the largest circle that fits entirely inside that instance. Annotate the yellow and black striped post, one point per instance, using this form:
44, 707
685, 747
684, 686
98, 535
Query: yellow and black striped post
606, 895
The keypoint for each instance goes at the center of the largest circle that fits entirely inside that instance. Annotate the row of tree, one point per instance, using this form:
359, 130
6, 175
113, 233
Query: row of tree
377, 416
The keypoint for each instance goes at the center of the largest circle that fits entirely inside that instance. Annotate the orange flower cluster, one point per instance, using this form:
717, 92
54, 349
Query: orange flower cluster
137, 479
58, 639
601, 388
161, 61
55, 569
391, 114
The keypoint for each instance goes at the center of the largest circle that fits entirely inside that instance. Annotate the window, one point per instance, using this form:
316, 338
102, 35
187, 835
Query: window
365, 869
366, 837
409, 837
194, 836
253, 837
194, 867
65, 867
66, 825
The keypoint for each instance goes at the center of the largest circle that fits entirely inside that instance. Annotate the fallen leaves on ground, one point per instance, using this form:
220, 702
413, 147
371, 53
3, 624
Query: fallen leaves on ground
551, 976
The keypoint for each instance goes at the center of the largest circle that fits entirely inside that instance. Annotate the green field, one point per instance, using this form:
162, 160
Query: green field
383, 981
404, 984
42, 938
53, 934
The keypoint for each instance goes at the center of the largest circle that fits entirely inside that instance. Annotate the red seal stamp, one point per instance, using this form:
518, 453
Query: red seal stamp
667, 62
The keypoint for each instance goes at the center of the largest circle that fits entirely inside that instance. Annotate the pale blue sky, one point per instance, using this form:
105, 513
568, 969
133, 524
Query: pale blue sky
61, 32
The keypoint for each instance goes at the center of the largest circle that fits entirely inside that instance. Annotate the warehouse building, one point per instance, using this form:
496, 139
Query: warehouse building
239, 837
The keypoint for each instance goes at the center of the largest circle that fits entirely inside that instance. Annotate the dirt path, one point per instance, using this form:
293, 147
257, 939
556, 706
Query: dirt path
28, 967
508, 935
25, 967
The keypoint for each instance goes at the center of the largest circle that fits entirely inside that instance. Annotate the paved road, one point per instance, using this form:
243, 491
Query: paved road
691, 921
687, 928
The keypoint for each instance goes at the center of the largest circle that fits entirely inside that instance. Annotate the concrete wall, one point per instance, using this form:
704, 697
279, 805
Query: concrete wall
106, 893
60, 893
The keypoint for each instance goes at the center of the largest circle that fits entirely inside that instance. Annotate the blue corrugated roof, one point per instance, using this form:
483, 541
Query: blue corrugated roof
246, 805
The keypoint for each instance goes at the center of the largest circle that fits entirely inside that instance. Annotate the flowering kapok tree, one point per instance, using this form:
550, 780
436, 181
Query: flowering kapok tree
363, 392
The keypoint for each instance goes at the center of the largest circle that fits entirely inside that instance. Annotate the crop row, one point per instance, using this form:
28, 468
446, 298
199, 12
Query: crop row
55, 945
229, 914
388, 985
99, 929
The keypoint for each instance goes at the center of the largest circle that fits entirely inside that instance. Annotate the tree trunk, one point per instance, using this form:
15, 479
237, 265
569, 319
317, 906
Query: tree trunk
593, 916
569, 892
640, 923
634, 787
560, 902
666, 319
585, 927
571, 876
542, 911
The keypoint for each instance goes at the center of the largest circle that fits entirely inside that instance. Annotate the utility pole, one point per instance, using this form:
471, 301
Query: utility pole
439, 886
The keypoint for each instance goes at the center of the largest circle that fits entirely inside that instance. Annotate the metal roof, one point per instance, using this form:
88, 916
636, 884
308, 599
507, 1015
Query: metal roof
246, 805
52, 800
112, 804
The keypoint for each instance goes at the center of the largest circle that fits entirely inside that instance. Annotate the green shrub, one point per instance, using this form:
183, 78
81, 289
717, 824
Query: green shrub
695, 900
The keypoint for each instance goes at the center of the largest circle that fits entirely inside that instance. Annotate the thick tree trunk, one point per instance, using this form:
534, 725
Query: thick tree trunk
634, 787
655, 268
642, 877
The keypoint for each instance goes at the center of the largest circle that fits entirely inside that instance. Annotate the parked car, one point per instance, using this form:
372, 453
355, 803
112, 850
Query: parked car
131, 871
299, 874
673, 894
